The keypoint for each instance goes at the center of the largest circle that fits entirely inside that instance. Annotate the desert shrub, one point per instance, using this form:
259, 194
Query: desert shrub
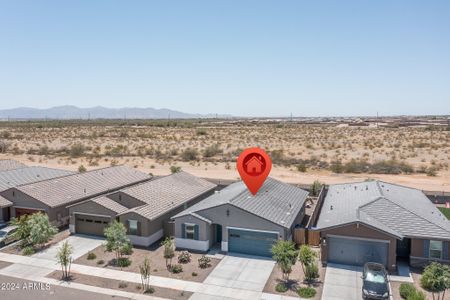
406, 289
100, 262
204, 262
77, 150
122, 285
281, 287
175, 169
28, 250
311, 272
184, 257
315, 188
189, 154
201, 131
176, 269
301, 167
306, 292
82, 169
336, 166
194, 274
149, 290
212, 150
91, 256
123, 262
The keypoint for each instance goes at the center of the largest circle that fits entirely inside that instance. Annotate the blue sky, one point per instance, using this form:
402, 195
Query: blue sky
259, 58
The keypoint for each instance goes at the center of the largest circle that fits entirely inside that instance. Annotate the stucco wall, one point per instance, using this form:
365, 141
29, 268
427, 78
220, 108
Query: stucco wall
361, 231
417, 258
204, 228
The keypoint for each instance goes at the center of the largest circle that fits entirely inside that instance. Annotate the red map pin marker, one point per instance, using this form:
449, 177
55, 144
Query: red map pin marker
254, 165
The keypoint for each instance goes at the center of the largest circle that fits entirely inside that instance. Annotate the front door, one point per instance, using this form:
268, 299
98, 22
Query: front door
403, 248
218, 233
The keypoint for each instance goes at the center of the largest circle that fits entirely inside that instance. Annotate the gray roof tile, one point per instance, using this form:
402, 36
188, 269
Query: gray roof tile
5, 202
68, 189
276, 201
21, 176
9, 164
398, 210
110, 204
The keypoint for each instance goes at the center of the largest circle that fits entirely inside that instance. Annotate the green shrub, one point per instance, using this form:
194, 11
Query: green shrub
417, 295
204, 262
194, 274
281, 287
175, 169
306, 292
91, 256
184, 257
127, 249
100, 262
123, 262
311, 272
177, 269
28, 250
189, 154
406, 289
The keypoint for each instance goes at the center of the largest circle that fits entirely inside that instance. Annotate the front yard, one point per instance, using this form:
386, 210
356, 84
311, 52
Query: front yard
190, 271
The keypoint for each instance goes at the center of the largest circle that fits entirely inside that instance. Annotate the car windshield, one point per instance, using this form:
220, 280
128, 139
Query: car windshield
376, 277
2, 233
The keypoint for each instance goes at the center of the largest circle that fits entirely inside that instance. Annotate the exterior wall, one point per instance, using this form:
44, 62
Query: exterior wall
204, 232
20, 199
418, 258
361, 231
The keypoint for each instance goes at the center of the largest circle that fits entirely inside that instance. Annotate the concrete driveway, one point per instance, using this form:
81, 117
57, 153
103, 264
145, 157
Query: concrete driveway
81, 245
342, 282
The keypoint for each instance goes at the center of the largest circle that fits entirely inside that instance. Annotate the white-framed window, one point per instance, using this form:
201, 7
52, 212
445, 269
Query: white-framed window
190, 231
133, 227
436, 249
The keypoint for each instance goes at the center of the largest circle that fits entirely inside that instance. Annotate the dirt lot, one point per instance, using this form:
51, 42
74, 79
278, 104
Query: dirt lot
16, 249
301, 153
296, 281
157, 262
126, 286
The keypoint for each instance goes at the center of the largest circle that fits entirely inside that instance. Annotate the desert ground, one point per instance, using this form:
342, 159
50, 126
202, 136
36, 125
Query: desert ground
416, 156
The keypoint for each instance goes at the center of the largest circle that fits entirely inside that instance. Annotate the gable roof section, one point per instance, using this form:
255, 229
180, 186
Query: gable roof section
21, 176
9, 164
4, 202
164, 194
397, 210
65, 190
276, 201
110, 204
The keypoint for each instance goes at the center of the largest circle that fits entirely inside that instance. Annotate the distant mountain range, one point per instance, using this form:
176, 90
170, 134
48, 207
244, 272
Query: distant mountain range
68, 112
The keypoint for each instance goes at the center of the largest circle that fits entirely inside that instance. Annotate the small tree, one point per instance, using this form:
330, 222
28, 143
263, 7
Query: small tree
285, 254
116, 239
64, 257
169, 251
41, 231
145, 269
23, 229
436, 279
315, 188
306, 256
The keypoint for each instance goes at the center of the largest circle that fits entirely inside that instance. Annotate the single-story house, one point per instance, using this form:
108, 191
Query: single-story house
20, 176
236, 221
381, 222
52, 196
145, 209
9, 164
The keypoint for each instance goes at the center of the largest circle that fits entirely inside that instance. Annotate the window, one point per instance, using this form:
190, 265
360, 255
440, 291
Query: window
190, 231
133, 227
436, 249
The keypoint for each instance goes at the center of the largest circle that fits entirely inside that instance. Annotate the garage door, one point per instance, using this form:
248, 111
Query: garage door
251, 242
356, 252
90, 225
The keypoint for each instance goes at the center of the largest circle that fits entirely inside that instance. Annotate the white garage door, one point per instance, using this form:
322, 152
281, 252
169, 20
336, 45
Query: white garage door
357, 252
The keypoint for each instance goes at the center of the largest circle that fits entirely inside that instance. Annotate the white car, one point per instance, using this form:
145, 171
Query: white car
5, 235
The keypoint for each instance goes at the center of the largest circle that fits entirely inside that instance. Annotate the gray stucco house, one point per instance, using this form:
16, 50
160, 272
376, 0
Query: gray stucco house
145, 209
381, 222
237, 221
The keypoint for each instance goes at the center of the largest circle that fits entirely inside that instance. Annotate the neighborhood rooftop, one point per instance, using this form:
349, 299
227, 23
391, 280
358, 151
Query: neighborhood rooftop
9, 164
163, 194
21, 176
276, 201
110, 204
4, 202
398, 210
65, 190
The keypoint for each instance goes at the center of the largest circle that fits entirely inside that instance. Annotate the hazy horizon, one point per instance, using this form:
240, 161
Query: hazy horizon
252, 58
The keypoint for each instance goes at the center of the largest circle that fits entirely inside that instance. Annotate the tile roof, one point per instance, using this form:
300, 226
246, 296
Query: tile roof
68, 189
276, 201
5, 202
389, 207
16, 177
9, 164
110, 204
164, 194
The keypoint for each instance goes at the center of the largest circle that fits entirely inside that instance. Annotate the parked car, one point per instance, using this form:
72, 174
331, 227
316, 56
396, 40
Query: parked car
375, 282
5, 235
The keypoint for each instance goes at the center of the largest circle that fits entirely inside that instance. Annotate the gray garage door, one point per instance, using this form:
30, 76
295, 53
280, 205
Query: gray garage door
251, 242
356, 252
91, 225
